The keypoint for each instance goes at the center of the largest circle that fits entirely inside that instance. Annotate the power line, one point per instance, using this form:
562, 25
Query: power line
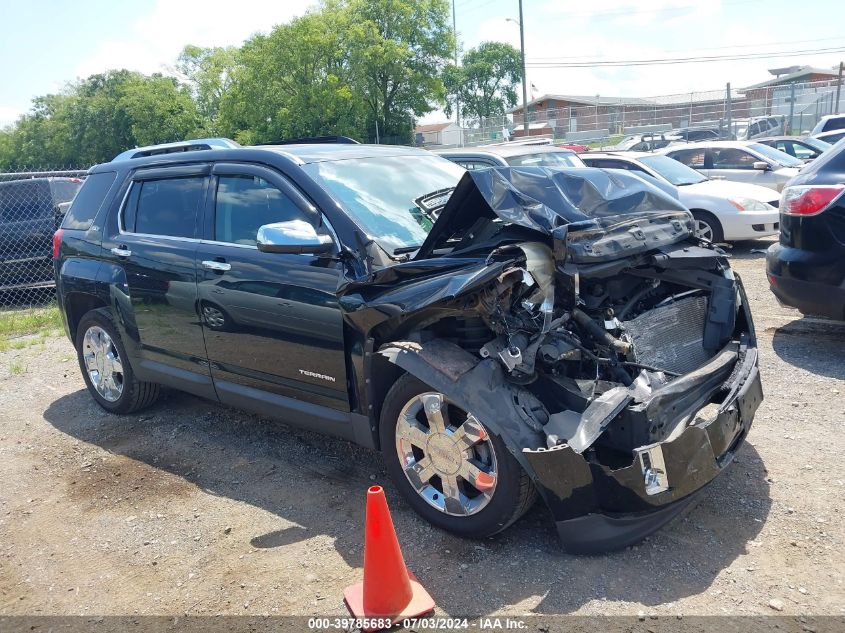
707, 48
683, 60
594, 14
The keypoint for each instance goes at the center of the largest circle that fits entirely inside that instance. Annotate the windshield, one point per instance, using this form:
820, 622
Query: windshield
816, 143
676, 173
546, 159
382, 193
776, 155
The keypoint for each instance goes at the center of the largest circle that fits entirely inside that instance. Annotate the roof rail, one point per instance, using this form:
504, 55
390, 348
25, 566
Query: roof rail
180, 146
313, 139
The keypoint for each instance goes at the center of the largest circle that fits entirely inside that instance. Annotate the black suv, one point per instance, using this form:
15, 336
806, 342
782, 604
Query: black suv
30, 212
494, 333
806, 268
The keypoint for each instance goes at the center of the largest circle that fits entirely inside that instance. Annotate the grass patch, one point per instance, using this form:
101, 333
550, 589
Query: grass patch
16, 368
28, 326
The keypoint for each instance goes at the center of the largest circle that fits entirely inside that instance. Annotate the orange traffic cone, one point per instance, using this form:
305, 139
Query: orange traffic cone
390, 590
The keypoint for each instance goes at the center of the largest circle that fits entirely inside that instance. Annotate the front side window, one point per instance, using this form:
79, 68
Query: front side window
732, 158
164, 207
245, 203
775, 155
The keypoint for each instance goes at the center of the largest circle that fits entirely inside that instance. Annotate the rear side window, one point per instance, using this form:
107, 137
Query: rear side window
245, 203
164, 207
88, 201
25, 200
691, 157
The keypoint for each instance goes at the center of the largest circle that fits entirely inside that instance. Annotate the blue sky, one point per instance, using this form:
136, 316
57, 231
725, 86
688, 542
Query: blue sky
82, 37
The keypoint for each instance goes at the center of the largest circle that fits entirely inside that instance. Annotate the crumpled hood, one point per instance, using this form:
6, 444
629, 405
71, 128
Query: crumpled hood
543, 199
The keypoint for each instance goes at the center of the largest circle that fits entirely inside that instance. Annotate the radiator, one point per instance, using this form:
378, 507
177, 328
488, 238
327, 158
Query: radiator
670, 337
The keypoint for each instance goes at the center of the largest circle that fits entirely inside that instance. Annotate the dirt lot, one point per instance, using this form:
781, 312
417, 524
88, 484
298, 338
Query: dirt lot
193, 508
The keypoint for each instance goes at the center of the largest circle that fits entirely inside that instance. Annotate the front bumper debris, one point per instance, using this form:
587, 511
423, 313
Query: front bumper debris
598, 509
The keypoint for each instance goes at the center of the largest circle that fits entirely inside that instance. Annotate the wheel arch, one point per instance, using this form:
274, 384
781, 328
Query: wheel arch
77, 305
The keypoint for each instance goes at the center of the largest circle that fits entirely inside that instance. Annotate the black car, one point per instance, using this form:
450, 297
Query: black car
495, 333
30, 212
695, 134
806, 268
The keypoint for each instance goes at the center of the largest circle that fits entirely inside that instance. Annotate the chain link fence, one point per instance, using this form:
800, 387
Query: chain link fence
596, 119
32, 206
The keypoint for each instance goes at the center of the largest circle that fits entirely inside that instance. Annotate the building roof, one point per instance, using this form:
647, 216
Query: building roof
432, 127
586, 100
801, 71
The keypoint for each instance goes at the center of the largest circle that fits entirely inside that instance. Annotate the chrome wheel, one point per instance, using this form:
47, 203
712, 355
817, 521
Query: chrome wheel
102, 362
703, 230
213, 317
446, 454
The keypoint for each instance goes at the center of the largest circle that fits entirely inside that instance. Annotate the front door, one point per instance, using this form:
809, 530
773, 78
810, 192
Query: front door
272, 322
154, 245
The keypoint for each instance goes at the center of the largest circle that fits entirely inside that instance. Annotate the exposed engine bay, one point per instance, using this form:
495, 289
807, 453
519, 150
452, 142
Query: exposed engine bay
613, 352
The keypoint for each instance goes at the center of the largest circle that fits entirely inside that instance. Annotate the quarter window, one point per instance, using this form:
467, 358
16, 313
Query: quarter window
245, 203
164, 207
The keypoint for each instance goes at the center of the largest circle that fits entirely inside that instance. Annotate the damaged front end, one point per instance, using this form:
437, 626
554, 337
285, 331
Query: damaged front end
620, 366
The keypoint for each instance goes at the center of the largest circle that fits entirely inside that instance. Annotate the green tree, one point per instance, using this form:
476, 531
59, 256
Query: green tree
294, 82
485, 82
99, 117
208, 72
398, 49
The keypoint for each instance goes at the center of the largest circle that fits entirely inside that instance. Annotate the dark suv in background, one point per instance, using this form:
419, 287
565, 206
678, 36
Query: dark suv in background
497, 333
30, 212
806, 268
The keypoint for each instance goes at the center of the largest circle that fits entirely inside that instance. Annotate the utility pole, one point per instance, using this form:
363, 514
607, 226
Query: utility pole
838, 87
524, 77
791, 104
728, 107
457, 97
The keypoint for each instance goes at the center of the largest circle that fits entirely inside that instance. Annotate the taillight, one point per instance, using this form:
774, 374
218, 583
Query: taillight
57, 242
809, 199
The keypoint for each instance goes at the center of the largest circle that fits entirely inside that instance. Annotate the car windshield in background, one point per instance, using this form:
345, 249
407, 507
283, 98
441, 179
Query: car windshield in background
380, 193
546, 159
816, 143
676, 173
776, 155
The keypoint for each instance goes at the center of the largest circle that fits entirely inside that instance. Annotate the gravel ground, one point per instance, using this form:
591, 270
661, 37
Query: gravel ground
194, 508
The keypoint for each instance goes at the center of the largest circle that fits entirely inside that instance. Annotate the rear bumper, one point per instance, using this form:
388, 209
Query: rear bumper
810, 282
597, 508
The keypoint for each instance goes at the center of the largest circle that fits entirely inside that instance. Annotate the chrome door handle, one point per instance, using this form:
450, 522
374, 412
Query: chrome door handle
121, 251
218, 266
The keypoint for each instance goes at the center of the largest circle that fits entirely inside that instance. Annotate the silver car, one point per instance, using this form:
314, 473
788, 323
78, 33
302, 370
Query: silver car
740, 161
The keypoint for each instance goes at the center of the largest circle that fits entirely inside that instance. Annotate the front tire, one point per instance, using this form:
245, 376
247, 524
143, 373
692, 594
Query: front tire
708, 227
453, 472
105, 366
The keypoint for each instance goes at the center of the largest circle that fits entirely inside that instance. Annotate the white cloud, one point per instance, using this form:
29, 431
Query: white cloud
154, 40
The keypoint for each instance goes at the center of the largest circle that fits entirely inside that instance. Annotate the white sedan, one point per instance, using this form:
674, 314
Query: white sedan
741, 161
723, 210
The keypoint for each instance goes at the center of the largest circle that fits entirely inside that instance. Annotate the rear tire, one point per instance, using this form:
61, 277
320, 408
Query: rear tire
105, 366
708, 227
481, 509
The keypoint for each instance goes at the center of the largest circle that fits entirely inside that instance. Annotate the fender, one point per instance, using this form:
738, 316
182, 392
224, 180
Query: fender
477, 385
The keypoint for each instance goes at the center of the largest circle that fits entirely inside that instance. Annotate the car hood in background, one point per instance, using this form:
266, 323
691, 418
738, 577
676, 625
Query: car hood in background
732, 189
544, 199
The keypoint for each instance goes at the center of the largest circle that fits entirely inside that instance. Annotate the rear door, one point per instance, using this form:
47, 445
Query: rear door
272, 321
154, 248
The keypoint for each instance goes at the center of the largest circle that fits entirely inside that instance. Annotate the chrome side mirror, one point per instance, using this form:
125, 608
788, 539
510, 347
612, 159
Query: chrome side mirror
295, 236
762, 165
